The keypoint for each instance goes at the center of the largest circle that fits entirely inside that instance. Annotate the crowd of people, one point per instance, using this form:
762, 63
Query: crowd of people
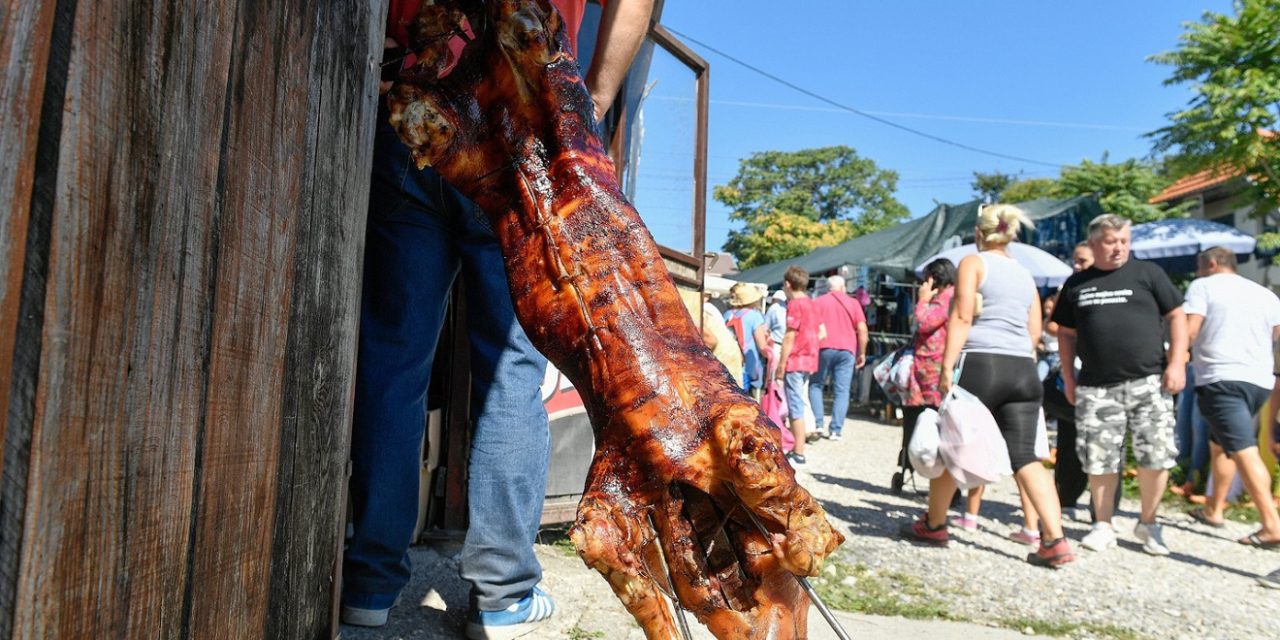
1112, 346
1103, 358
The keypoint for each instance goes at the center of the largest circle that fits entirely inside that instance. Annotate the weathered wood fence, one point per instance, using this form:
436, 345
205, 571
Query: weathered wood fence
182, 199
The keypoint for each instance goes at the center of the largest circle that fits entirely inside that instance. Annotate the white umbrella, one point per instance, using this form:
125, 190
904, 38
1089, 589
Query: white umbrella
1186, 237
1047, 270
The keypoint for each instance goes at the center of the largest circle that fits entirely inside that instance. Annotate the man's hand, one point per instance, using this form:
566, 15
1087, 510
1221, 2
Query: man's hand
1175, 378
1069, 389
861, 361
392, 57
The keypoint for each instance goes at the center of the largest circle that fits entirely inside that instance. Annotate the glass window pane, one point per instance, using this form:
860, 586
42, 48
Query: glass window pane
659, 172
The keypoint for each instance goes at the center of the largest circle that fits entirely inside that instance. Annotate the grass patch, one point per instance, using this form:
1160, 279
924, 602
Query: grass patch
884, 593
578, 633
1060, 629
558, 538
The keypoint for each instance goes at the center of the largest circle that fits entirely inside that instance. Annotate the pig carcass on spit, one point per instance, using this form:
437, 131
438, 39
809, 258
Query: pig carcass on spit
681, 453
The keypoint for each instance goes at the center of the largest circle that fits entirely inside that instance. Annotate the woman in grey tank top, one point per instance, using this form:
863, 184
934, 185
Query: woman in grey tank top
998, 367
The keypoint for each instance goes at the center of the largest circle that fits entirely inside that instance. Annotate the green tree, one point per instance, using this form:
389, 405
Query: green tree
792, 202
1123, 188
1029, 189
775, 235
1233, 66
989, 186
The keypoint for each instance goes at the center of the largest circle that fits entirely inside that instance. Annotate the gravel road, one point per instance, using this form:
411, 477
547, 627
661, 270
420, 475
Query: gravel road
1204, 590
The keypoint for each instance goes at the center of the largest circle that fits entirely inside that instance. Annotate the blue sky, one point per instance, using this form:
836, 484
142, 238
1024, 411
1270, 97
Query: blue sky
1055, 82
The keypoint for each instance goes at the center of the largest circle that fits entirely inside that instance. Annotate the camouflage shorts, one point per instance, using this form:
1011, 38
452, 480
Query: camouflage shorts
1103, 413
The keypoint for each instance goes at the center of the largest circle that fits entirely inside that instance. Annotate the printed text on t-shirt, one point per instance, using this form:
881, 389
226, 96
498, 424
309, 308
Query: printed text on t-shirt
1091, 297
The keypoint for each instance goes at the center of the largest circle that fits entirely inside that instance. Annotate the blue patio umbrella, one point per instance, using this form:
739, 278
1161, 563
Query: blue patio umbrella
1174, 243
1047, 269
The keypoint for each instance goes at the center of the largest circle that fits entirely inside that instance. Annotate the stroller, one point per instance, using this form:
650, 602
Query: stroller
905, 470
892, 373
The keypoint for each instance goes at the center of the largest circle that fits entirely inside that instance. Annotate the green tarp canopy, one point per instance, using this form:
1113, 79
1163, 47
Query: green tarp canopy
1059, 224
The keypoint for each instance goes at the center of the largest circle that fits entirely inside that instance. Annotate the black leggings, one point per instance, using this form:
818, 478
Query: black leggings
1010, 388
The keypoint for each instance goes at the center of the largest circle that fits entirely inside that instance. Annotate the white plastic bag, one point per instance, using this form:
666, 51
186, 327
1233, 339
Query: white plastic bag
923, 448
1042, 437
893, 373
971, 446
900, 375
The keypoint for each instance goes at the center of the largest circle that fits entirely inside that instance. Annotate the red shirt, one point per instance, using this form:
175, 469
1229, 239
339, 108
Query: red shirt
403, 11
802, 317
840, 314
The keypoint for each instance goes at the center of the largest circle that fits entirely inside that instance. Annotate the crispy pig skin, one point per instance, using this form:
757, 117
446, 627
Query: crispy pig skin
681, 452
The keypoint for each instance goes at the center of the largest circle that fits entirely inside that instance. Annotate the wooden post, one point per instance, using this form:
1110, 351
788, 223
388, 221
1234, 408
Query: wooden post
181, 246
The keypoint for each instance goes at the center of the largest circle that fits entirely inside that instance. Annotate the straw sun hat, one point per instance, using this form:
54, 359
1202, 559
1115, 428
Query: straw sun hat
742, 295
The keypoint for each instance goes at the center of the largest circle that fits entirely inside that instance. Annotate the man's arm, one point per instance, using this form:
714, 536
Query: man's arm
1194, 322
862, 345
1067, 356
788, 340
1175, 373
623, 25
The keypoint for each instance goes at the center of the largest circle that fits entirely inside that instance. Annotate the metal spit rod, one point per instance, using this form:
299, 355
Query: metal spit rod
681, 621
804, 582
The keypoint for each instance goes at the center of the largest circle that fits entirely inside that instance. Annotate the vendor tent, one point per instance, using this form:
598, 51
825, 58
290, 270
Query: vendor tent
897, 250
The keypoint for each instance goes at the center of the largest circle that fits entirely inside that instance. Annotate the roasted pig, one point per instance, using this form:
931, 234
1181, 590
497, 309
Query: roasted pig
495, 102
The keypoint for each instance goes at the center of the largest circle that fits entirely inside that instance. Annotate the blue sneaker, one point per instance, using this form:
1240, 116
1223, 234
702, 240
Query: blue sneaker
514, 621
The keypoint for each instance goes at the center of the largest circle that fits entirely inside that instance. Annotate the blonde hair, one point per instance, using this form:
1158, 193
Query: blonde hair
998, 224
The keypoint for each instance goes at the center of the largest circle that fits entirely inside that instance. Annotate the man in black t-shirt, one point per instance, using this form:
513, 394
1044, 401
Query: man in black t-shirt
1111, 316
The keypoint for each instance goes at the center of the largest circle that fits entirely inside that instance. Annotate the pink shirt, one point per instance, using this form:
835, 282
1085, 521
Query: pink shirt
841, 315
802, 317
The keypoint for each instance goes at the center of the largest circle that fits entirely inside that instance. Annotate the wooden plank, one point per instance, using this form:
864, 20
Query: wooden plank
261, 182
320, 365
26, 31
126, 324
194, 141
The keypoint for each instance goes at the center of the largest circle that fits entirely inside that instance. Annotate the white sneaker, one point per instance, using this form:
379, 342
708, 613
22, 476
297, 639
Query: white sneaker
1151, 538
835, 437
1100, 537
363, 617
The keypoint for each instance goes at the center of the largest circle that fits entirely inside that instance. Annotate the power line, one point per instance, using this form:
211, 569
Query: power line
864, 114
921, 116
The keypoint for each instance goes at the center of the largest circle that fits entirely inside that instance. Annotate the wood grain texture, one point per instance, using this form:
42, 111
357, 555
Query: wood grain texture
320, 356
191, 386
27, 42
25, 30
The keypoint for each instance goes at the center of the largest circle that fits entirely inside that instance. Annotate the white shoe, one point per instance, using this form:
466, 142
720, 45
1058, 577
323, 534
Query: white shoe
362, 617
1151, 538
835, 437
1100, 538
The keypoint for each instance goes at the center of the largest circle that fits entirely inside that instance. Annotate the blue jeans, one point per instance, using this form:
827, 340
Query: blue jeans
836, 364
794, 384
421, 235
1192, 432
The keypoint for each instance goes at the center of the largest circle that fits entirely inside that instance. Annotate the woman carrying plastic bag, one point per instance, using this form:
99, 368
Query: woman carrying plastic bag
922, 396
1000, 372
